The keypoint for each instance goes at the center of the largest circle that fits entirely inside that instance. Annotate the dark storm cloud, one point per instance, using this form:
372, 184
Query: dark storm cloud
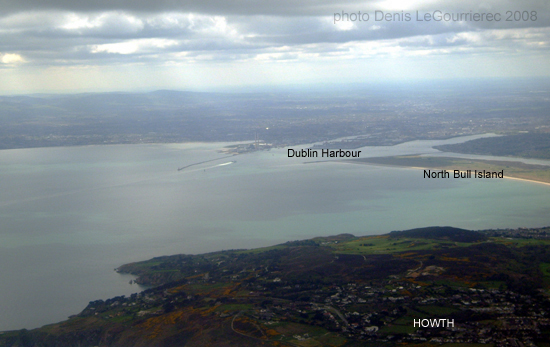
219, 7
109, 32
265, 7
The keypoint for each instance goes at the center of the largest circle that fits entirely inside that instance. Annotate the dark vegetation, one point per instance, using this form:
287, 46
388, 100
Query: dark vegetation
329, 291
530, 145
441, 233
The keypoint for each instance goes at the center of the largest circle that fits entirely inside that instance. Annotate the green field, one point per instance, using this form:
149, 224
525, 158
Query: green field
399, 329
419, 264
387, 245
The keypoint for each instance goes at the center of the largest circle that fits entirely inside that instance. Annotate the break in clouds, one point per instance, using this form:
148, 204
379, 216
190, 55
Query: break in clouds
110, 32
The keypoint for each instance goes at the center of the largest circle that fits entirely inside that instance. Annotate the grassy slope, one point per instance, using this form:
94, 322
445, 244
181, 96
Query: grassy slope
209, 320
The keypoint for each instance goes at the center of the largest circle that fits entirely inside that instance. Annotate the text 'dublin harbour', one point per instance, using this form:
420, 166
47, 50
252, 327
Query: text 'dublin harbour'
325, 153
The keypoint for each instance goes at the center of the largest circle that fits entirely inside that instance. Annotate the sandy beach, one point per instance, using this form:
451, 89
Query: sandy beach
507, 177
426, 168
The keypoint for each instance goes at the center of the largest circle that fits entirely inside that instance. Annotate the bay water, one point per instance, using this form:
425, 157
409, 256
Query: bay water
70, 215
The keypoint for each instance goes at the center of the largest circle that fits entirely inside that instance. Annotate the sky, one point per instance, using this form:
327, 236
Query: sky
64, 46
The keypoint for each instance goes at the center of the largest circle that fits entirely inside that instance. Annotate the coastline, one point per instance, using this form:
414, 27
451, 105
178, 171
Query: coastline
507, 177
426, 168
527, 180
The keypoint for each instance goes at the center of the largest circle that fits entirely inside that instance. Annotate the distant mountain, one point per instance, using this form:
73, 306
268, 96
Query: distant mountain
441, 233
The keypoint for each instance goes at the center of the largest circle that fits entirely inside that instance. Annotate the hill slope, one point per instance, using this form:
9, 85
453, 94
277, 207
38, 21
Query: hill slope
441, 233
327, 291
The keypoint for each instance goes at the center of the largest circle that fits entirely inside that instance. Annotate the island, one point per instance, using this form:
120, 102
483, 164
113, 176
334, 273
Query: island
421, 287
511, 169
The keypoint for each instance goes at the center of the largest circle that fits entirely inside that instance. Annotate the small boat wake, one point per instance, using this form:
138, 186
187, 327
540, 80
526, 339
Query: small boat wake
219, 165
228, 163
206, 161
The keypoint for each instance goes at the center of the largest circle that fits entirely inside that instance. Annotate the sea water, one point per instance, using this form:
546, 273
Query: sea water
70, 215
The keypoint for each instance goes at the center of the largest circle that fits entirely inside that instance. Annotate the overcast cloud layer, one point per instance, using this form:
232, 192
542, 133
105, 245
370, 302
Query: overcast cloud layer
95, 45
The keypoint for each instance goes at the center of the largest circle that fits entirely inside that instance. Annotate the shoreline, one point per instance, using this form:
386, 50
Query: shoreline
425, 168
527, 180
507, 177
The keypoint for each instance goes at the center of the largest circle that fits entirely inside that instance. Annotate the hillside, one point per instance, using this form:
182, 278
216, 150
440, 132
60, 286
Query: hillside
441, 233
329, 291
